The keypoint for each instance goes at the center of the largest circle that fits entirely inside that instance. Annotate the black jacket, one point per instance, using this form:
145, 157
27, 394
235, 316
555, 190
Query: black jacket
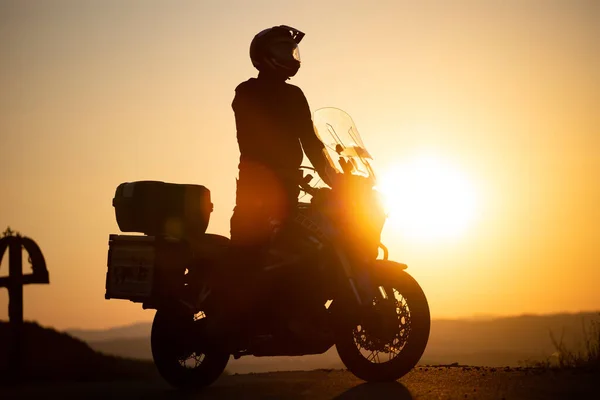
274, 125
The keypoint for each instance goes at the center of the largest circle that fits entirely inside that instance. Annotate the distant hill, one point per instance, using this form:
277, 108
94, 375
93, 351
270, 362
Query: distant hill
56, 356
137, 330
494, 342
505, 341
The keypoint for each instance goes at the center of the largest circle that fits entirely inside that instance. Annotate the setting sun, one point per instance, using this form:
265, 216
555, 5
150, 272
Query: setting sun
427, 198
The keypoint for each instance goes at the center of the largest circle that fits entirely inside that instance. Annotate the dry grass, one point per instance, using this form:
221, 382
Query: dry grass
584, 355
587, 355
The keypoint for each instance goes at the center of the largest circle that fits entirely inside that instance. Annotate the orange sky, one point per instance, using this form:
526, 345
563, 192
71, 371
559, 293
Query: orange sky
508, 92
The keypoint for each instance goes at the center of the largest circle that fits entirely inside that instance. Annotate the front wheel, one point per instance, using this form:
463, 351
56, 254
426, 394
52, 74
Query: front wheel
175, 354
393, 333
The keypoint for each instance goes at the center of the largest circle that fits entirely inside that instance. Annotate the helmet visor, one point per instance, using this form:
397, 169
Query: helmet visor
285, 52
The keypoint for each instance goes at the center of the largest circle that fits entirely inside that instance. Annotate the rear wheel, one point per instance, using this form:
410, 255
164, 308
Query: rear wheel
175, 353
393, 334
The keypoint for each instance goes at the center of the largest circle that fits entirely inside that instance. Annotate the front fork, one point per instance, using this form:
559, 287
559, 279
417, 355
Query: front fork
359, 278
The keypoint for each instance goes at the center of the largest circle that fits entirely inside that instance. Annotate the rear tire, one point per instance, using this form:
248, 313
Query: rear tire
172, 351
408, 343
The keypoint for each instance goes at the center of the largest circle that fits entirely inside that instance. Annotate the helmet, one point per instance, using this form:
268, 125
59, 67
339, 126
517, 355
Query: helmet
276, 50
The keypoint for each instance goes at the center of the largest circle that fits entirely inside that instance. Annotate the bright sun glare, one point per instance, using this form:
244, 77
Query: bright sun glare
428, 199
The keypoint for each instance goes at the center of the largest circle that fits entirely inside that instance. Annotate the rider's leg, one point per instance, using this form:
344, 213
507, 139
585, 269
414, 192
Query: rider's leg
237, 290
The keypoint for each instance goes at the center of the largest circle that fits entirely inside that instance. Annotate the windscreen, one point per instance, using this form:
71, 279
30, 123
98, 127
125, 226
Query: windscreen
346, 149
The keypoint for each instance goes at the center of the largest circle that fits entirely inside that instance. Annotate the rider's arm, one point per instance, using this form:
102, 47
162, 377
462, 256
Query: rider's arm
312, 145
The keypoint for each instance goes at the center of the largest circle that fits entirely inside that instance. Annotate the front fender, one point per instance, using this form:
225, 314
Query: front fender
390, 265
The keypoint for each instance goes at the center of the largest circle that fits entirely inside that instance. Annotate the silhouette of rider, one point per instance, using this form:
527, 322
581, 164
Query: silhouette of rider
274, 126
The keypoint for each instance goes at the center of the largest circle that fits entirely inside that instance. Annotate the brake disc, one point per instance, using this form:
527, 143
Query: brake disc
392, 335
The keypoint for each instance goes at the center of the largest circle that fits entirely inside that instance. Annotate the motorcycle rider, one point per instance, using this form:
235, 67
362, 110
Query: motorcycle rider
274, 126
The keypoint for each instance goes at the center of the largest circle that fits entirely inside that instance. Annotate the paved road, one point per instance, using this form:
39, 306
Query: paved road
421, 383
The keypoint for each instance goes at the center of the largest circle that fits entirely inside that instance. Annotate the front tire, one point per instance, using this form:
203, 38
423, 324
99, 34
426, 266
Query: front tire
177, 361
400, 340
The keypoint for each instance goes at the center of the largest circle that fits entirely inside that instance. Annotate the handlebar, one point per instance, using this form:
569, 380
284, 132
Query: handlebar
305, 182
304, 185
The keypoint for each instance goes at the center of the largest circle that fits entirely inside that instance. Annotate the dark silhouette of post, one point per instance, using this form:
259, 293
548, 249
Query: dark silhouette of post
14, 283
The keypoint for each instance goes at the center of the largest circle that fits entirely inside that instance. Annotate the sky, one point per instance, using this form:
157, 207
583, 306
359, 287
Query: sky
504, 93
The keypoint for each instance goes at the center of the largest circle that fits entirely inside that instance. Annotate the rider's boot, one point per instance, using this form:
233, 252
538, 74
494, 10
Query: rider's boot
227, 325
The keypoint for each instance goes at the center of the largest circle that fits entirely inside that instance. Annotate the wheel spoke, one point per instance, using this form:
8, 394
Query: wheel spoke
375, 340
373, 355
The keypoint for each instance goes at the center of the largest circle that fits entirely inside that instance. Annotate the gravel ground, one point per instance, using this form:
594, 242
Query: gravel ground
449, 382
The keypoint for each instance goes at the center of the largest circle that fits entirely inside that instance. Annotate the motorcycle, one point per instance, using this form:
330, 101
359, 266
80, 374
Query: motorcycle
334, 281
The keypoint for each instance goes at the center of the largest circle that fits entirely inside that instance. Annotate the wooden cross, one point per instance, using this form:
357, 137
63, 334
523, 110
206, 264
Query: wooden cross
14, 283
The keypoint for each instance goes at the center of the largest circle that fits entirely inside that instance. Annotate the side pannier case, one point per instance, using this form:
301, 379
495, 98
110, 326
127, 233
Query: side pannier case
146, 269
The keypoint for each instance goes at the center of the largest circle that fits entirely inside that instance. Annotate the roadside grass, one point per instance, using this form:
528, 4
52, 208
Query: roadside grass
583, 355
